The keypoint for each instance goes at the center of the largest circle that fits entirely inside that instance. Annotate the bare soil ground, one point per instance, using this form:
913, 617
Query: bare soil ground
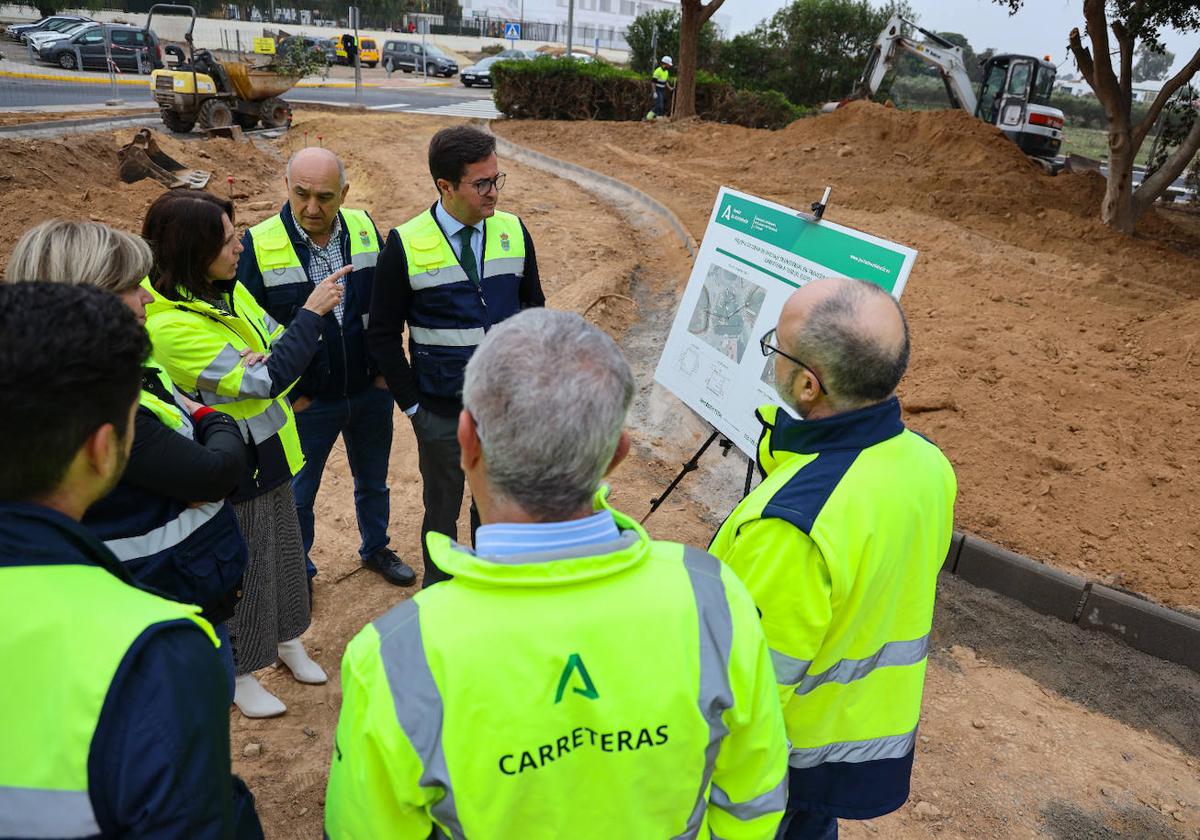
1031, 727
1053, 360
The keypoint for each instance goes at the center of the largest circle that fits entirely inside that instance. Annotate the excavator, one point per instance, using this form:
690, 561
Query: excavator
1014, 95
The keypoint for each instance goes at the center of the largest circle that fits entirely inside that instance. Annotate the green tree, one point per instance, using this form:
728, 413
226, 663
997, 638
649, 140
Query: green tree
658, 32
812, 51
1153, 64
1132, 22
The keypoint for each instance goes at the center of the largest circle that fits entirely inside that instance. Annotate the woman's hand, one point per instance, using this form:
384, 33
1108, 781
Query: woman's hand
328, 292
190, 405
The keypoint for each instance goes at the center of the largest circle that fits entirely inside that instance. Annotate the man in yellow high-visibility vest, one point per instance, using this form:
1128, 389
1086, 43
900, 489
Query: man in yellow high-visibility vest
841, 546
114, 715
574, 678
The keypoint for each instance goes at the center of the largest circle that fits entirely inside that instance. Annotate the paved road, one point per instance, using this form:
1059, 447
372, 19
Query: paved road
455, 101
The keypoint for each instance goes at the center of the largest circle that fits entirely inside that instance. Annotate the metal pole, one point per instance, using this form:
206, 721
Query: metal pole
424, 57
570, 25
357, 61
108, 61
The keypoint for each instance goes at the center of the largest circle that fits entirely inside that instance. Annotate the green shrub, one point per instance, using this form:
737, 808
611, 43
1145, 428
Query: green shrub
556, 89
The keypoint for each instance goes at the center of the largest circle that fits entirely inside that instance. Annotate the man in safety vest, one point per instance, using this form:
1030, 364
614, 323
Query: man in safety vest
114, 715
841, 546
661, 76
449, 275
575, 678
342, 392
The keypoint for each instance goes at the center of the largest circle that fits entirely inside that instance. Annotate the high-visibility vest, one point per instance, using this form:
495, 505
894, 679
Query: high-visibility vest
875, 503
193, 554
66, 629
622, 693
449, 315
660, 76
200, 347
280, 265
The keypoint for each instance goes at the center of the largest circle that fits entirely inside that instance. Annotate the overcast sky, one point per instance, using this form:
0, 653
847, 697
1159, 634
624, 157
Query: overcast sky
1040, 28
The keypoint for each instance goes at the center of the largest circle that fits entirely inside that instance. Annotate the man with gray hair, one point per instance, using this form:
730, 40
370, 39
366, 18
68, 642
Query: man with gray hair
840, 545
574, 678
311, 238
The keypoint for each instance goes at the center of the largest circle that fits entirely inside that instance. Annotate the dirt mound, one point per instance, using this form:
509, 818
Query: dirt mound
1053, 359
76, 177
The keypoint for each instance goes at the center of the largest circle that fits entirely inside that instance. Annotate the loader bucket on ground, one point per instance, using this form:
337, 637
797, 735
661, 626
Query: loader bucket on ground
142, 158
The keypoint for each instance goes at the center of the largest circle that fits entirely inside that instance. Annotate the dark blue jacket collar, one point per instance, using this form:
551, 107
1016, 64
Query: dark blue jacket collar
33, 535
850, 430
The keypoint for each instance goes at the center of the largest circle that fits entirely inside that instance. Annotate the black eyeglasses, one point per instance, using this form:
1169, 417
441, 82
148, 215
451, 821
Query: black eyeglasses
484, 185
767, 345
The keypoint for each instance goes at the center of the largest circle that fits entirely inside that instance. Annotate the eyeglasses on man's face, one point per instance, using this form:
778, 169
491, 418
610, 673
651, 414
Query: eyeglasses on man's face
484, 185
769, 344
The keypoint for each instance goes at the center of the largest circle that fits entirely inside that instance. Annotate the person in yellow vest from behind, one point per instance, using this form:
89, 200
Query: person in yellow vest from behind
114, 713
840, 545
342, 392
574, 678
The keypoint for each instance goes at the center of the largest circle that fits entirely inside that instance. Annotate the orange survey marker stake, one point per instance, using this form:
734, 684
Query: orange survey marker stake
229, 186
306, 139
320, 141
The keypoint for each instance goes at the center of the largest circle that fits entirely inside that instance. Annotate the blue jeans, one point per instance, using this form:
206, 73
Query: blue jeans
364, 420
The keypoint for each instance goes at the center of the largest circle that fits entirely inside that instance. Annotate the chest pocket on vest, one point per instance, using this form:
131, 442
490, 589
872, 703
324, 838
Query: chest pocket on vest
426, 252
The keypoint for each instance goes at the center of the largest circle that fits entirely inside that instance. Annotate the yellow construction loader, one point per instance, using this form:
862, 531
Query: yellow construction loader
200, 89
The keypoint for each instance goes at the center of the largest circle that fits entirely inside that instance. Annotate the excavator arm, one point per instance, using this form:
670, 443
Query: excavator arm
937, 51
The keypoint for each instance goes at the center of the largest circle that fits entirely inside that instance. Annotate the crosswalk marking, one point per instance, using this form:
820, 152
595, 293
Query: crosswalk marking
387, 107
476, 109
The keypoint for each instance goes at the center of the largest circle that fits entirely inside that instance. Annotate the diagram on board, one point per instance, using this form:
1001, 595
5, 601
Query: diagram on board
726, 311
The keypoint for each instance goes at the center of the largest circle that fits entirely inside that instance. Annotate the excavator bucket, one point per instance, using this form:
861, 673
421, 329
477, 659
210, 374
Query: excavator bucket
142, 158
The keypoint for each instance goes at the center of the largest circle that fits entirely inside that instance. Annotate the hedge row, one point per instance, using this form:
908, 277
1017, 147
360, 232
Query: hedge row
556, 89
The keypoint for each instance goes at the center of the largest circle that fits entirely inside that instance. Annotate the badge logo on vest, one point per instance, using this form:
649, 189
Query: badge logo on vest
504, 245
364, 238
575, 663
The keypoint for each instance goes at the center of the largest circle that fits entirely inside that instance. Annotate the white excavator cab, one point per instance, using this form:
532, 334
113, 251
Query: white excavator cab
1014, 96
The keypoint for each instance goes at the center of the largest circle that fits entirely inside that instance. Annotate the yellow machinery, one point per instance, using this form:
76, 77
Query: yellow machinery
202, 90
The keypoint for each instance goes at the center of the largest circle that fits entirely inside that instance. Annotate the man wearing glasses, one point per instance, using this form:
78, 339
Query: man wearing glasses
449, 274
840, 546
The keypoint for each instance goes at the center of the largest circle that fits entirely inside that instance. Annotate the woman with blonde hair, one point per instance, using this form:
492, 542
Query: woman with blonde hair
167, 521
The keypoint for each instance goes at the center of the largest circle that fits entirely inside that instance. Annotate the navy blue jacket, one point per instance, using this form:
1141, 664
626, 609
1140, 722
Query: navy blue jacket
342, 365
159, 761
433, 376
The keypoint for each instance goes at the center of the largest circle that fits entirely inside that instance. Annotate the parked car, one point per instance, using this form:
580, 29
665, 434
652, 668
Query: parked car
17, 30
87, 47
325, 46
39, 39
519, 55
368, 52
480, 72
410, 57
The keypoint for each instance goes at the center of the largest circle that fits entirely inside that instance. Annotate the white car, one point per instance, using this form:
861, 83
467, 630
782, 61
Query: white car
37, 40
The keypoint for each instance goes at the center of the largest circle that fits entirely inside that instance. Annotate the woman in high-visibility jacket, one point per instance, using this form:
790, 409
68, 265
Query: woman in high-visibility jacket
217, 343
167, 520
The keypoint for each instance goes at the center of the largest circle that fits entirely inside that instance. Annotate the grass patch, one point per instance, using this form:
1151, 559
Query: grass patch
1093, 143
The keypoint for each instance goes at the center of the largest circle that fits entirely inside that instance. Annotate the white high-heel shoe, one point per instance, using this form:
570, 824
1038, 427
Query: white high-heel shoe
303, 668
253, 700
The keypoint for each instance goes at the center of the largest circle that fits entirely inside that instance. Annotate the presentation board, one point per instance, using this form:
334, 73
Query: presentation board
755, 253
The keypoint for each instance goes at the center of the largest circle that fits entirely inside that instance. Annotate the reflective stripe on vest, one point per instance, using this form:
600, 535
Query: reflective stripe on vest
892, 654
431, 260
854, 752
447, 338
165, 536
716, 640
419, 708
69, 628
31, 812
279, 263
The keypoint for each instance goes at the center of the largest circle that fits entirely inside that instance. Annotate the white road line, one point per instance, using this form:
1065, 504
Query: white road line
386, 107
306, 101
478, 109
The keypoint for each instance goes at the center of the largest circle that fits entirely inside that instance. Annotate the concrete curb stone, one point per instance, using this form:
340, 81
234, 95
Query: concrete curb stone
1037, 586
1144, 625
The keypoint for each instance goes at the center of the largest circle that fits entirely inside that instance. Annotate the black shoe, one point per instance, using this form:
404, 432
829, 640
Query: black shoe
391, 567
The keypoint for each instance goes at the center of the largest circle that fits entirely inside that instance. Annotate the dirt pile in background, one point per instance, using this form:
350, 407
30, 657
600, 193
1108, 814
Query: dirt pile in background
1054, 360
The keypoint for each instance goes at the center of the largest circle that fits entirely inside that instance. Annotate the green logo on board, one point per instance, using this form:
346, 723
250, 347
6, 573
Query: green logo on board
575, 665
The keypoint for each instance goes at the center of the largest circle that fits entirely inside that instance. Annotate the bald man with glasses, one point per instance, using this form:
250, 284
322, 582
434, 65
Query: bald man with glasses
448, 275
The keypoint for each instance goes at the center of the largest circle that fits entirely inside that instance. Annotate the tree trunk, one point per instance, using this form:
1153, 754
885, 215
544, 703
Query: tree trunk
1117, 211
689, 47
1172, 168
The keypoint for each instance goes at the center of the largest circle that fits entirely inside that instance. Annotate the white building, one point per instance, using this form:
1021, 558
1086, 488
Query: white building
605, 20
